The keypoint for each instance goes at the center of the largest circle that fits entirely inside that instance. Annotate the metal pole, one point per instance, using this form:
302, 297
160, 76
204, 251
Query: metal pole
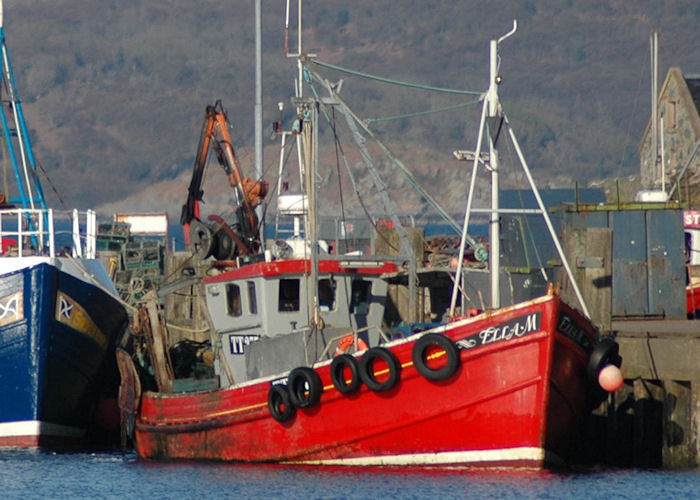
313, 214
494, 229
258, 110
654, 106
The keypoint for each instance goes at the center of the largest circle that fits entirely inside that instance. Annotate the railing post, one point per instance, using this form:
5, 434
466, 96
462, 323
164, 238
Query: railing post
20, 243
41, 234
77, 246
52, 241
91, 234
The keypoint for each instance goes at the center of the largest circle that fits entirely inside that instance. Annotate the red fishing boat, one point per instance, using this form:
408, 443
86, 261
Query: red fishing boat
307, 373
502, 388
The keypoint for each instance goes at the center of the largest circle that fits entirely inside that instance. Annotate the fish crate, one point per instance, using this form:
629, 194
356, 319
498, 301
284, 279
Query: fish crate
152, 273
112, 236
143, 265
144, 254
107, 245
134, 284
151, 276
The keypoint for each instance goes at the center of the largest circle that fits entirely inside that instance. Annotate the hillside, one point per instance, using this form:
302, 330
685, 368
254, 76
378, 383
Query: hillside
115, 92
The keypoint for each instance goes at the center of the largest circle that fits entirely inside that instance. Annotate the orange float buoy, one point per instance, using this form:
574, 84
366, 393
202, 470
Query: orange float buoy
610, 378
348, 341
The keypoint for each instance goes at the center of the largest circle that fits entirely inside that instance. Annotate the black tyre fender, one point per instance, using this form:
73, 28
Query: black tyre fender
420, 360
604, 353
305, 387
367, 369
338, 366
279, 403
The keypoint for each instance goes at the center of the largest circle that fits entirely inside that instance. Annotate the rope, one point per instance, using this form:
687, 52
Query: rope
394, 160
53, 188
422, 113
350, 174
393, 82
336, 143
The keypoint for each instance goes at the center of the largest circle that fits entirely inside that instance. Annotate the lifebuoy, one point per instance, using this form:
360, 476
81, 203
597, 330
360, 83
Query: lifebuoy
279, 404
604, 353
367, 369
340, 367
304, 387
423, 350
347, 342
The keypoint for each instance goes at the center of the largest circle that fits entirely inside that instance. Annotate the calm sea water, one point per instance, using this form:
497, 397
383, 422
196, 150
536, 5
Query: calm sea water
31, 474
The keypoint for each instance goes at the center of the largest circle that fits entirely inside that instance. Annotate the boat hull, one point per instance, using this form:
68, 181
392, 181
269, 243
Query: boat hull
57, 341
515, 398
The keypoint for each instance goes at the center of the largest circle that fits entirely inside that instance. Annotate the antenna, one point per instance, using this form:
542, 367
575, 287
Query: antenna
654, 41
510, 33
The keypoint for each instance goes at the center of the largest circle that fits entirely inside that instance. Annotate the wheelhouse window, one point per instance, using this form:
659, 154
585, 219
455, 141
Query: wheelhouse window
361, 294
326, 294
252, 299
289, 295
233, 300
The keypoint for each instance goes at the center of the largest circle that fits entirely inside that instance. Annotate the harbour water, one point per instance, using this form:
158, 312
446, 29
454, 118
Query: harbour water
30, 474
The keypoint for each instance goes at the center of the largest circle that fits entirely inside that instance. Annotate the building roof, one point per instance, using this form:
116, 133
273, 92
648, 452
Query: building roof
689, 88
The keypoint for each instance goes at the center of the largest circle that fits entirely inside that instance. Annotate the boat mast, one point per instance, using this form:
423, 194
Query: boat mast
493, 111
654, 104
307, 150
298, 91
313, 214
30, 192
495, 122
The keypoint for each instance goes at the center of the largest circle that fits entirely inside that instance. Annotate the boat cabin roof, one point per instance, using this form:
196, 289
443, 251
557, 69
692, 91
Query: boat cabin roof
300, 266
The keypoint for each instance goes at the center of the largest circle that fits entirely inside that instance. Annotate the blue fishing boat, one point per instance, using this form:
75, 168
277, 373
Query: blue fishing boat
60, 315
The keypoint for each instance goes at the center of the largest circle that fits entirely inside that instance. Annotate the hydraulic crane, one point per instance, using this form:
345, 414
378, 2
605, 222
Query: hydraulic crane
216, 237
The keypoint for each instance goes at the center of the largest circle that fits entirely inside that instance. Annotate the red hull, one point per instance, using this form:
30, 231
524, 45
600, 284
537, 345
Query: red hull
518, 392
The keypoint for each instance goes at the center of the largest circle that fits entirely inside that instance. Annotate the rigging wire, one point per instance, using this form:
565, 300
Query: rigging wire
524, 220
393, 82
409, 85
364, 207
422, 113
337, 167
53, 187
350, 173
312, 75
338, 148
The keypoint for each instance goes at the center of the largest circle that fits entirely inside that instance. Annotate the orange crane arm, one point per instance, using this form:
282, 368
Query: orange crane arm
248, 193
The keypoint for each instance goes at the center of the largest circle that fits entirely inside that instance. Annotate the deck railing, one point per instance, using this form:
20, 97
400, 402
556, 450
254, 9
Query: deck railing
36, 232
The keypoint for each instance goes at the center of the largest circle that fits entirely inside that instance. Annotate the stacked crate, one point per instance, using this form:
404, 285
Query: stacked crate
142, 269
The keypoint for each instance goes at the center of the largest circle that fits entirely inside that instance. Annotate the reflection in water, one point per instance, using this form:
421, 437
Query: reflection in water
33, 474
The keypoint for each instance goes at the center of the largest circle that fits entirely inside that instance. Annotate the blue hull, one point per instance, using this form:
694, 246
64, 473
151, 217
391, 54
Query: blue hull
57, 341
